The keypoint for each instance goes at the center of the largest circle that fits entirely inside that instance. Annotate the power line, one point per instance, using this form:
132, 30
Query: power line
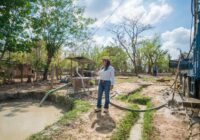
111, 14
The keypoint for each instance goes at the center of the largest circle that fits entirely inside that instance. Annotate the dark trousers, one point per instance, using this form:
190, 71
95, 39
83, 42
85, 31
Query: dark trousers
104, 86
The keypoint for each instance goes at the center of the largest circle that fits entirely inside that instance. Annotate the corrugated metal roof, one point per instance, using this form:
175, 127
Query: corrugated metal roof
81, 59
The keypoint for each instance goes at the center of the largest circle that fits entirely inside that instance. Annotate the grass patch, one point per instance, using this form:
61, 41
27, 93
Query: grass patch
122, 97
138, 99
40, 136
79, 107
134, 97
149, 78
147, 124
124, 127
123, 130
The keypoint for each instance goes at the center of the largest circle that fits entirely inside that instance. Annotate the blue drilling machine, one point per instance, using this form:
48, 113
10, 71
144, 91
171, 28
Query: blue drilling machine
189, 66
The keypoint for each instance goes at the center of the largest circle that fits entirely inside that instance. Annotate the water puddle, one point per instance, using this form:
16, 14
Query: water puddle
20, 119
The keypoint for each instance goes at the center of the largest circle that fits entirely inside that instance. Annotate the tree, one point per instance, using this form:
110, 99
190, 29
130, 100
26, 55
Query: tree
38, 56
127, 35
152, 53
58, 23
14, 16
117, 56
94, 53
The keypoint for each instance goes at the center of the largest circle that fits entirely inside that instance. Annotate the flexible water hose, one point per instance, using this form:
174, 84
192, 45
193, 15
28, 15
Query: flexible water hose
51, 92
122, 107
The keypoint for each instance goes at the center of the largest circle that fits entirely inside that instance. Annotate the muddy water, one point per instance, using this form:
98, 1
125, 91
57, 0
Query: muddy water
18, 120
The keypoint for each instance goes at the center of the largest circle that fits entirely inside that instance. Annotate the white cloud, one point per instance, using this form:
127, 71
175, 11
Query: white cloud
102, 40
157, 12
150, 14
129, 9
178, 38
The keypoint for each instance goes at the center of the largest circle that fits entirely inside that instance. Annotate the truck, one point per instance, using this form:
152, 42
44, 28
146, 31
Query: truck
189, 66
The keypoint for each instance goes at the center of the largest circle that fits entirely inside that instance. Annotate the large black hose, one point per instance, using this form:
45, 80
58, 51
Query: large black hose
122, 107
139, 110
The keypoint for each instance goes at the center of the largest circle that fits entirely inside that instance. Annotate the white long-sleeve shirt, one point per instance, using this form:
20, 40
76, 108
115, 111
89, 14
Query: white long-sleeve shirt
108, 75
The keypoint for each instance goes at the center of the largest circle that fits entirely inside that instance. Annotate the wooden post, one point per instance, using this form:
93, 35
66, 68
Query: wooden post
71, 67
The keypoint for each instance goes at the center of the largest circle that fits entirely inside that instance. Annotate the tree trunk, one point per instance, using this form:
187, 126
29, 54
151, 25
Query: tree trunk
46, 69
136, 72
135, 67
2, 55
149, 69
57, 72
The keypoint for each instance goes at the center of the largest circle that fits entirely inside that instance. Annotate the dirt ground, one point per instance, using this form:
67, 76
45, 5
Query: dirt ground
166, 126
100, 126
93, 126
125, 87
97, 126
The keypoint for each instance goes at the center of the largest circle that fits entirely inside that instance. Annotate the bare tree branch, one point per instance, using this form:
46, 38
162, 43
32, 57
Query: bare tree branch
126, 37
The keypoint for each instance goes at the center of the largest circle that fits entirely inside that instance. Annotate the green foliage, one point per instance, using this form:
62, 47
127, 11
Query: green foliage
94, 53
163, 63
117, 56
14, 21
152, 54
122, 97
36, 57
147, 124
58, 23
135, 97
124, 127
138, 99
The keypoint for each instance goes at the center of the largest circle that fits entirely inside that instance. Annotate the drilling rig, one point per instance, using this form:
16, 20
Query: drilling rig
189, 66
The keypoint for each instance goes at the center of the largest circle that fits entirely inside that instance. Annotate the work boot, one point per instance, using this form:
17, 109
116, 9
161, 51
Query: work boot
97, 110
105, 110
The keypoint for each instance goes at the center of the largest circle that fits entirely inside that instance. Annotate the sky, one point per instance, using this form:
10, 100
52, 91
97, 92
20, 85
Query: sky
171, 19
